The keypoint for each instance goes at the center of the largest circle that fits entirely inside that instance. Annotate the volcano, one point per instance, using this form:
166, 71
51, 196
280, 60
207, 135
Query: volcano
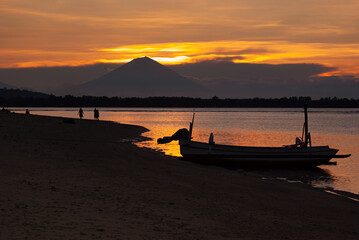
142, 77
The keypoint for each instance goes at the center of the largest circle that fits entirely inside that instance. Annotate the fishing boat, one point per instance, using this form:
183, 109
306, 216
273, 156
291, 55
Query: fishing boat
300, 153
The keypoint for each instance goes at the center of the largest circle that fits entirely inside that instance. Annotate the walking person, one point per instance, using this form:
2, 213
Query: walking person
81, 113
96, 114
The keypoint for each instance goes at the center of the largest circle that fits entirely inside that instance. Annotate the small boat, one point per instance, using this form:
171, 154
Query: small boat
301, 153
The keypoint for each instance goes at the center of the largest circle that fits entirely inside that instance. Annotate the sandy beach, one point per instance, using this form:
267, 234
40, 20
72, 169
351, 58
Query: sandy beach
83, 179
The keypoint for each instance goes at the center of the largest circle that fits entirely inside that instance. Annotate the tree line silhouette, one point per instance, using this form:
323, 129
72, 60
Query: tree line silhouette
89, 101
26, 98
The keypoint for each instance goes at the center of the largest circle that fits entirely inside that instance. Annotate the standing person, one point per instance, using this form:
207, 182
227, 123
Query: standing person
96, 114
81, 113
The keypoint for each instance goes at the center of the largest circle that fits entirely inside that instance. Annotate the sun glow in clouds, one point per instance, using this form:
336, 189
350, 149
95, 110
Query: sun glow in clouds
342, 56
276, 52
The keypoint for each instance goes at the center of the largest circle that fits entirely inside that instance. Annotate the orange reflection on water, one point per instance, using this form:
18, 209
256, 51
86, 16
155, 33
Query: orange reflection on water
252, 130
344, 175
171, 148
338, 129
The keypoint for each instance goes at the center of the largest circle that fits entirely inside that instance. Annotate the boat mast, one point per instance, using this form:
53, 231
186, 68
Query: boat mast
305, 126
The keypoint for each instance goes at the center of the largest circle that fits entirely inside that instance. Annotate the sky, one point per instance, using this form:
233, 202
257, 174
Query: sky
75, 33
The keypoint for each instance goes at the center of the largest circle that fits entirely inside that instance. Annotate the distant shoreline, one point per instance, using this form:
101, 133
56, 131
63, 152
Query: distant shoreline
25, 98
148, 107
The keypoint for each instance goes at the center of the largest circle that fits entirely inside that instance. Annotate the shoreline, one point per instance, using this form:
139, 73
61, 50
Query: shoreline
277, 175
81, 180
273, 174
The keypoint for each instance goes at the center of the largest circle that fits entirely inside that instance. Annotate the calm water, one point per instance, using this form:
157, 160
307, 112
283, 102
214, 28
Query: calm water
338, 128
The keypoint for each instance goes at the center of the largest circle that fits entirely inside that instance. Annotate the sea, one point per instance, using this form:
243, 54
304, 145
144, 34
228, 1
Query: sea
338, 128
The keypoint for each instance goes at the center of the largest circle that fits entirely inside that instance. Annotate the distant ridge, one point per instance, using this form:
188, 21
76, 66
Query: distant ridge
141, 77
18, 93
3, 85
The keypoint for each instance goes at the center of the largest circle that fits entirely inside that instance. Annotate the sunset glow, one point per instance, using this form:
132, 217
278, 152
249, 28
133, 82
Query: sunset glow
276, 52
74, 33
344, 57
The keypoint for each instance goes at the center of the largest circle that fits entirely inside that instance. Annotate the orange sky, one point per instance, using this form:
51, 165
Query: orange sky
77, 32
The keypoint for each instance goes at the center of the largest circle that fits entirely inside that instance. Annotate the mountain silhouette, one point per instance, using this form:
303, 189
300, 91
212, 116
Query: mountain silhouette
142, 77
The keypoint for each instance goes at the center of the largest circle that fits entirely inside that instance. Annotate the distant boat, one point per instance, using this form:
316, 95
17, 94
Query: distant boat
300, 153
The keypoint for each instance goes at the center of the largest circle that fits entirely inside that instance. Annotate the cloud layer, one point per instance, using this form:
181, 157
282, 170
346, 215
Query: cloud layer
58, 33
227, 79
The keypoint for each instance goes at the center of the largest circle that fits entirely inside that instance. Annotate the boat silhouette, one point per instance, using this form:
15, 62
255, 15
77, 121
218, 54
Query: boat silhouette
301, 153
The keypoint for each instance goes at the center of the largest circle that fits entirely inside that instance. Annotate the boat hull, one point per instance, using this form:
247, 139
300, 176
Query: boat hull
259, 156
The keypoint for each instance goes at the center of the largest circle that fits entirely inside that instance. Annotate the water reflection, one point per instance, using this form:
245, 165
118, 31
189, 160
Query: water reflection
344, 176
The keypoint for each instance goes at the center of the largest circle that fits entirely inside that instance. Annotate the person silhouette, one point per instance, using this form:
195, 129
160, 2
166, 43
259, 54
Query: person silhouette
81, 113
96, 114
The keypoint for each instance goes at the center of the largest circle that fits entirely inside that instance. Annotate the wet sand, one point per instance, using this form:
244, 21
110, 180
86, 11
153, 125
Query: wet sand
85, 180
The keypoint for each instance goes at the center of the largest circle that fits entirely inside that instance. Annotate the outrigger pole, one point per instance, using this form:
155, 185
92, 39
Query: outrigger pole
305, 126
190, 128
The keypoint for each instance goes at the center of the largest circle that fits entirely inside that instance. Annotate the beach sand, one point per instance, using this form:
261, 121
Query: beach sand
85, 180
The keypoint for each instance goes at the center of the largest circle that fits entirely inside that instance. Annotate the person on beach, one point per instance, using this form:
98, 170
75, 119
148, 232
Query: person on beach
96, 114
27, 111
81, 113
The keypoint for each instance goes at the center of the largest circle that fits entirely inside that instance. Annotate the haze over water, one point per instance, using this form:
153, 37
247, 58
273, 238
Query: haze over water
337, 128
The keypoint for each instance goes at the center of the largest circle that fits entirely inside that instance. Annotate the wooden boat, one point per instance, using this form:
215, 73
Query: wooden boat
260, 156
300, 153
